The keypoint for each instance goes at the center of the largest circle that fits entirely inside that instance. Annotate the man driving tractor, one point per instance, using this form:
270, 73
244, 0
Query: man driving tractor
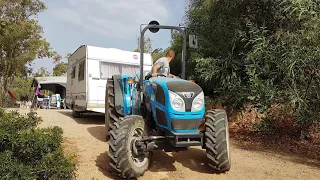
162, 67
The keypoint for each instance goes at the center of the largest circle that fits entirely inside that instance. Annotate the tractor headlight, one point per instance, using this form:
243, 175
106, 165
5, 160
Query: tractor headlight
198, 102
176, 102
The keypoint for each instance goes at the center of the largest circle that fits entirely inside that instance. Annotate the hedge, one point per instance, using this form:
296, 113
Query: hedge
30, 152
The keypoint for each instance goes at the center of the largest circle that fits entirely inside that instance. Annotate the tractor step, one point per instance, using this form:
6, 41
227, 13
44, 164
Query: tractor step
152, 138
185, 139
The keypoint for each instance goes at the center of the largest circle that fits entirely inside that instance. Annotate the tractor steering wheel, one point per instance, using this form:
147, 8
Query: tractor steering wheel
161, 74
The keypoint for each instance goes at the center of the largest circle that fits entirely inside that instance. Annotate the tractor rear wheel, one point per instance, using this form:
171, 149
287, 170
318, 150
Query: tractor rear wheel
111, 116
217, 141
123, 160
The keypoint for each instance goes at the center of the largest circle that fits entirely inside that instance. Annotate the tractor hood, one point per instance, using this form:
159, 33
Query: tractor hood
168, 87
177, 85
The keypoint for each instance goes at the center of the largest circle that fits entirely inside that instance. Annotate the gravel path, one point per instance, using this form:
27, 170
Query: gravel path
85, 137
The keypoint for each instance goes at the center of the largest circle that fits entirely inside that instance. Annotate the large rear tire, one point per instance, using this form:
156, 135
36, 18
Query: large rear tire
217, 141
122, 159
111, 116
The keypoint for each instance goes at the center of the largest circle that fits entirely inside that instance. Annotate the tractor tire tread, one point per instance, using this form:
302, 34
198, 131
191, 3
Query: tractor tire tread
210, 137
216, 141
113, 116
118, 150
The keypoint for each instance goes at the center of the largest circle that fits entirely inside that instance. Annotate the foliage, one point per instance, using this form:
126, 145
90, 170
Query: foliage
147, 45
21, 39
60, 69
176, 46
27, 152
157, 54
42, 72
20, 85
259, 52
68, 56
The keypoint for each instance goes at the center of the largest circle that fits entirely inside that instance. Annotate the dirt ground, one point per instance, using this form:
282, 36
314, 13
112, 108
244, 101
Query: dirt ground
85, 137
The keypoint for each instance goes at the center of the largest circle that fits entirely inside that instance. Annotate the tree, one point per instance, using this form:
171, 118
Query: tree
42, 72
68, 55
157, 53
176, 46
147, 45
60, 69
262, 53
21, 39
21, 85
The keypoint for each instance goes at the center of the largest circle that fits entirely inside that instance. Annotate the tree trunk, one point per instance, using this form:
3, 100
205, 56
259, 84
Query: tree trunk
2, 92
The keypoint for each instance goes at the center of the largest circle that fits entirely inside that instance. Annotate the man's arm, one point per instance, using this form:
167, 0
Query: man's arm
155, 68
171, 75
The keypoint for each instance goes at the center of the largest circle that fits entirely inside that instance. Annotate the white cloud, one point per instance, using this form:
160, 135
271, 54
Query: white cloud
111, 18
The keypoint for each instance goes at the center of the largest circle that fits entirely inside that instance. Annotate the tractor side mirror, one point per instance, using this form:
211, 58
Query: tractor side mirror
154, 30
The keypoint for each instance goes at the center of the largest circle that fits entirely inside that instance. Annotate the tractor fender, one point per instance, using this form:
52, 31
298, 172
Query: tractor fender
118, 94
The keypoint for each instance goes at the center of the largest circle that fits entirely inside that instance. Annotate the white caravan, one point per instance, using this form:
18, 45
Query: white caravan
88, 70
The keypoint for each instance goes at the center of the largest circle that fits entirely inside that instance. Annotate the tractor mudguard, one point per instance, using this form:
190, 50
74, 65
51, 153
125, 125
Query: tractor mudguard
118, 94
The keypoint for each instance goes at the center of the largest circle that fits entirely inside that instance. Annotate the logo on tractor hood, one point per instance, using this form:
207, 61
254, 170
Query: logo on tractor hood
188, 94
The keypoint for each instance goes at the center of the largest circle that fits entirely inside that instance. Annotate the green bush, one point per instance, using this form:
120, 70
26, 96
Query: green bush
260, 53
28, 152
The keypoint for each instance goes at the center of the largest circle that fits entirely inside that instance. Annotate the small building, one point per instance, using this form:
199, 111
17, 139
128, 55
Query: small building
55, 84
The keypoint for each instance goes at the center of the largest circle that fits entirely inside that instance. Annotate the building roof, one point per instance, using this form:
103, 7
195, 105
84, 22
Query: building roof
62, 80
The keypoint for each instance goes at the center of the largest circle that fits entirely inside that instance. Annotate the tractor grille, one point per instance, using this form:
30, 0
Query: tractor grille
187, 101
181, 87
185, 124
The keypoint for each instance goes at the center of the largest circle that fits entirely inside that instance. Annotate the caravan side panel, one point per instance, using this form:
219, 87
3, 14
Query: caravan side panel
96, 87
76, 83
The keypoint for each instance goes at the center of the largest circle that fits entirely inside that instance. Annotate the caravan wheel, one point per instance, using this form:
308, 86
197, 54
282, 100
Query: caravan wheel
75, 113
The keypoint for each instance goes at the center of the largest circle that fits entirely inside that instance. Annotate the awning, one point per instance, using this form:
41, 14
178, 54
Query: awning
61, 80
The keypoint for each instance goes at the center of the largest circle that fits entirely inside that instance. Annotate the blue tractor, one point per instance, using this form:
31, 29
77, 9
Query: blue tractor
144, 114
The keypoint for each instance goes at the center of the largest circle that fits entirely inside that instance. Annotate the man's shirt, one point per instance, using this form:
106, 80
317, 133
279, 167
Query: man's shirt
164, 66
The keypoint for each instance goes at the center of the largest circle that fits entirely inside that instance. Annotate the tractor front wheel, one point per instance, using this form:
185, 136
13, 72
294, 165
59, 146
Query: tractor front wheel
217, 141
123, 160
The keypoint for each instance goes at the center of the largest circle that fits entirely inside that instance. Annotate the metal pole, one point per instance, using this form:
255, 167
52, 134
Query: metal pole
142, 48
141, 57
184, 55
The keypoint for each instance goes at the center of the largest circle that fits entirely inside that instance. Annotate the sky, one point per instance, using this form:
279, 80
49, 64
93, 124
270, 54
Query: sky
68, 24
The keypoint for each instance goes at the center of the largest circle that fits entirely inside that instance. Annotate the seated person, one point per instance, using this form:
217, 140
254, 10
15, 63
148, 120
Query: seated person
161, 66
38, 94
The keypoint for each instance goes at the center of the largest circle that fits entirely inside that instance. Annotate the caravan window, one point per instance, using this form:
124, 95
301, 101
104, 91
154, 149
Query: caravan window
81, 71
73, 73
130, 70
108, 69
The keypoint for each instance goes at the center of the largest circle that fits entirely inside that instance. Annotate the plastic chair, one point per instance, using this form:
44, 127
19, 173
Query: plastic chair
53, 102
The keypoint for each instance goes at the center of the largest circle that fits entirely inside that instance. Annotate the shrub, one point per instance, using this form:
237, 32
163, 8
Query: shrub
28, 152
262, 53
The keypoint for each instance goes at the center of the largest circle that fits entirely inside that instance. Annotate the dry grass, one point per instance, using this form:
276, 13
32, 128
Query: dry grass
281, 142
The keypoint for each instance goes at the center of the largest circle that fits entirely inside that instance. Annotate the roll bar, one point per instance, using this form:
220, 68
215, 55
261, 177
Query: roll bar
155, 28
